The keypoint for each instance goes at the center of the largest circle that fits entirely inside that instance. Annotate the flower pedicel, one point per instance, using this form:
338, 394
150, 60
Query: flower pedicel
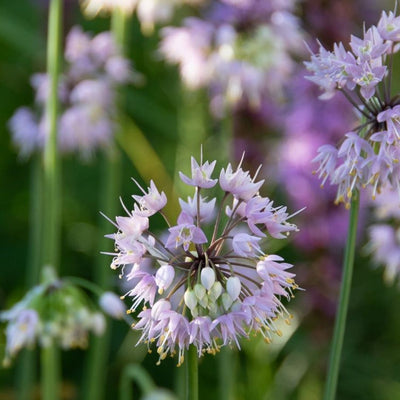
209, 286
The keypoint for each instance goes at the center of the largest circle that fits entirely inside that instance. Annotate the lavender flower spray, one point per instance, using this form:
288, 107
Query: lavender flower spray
368, 156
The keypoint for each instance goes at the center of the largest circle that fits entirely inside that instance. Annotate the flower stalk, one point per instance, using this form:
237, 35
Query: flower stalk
50, 369
50, 362
340, 322
99, 351
192, 376
50, 162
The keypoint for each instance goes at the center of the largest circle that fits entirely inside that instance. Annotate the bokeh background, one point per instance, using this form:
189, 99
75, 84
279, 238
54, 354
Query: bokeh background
170, 121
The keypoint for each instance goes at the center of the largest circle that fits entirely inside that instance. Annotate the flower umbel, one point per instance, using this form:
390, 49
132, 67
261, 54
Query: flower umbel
369, 155
53, 312
207, 285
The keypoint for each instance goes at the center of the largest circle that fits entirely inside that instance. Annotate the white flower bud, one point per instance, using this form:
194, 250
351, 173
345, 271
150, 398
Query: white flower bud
233, 287
207, 277
199, 290
190, 299
164, 277
98, 323
112, 305
215, 291
226, 301
204, 301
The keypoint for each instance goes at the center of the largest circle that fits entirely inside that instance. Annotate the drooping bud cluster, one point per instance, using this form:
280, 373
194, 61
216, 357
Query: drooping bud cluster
87, 89
369, 155
53, 313
209, 282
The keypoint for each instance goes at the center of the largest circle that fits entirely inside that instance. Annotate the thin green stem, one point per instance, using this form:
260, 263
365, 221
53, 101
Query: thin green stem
96, 371
226, 372
26, 372
192, 378
340, 322
50, 360
51, 217
50, 364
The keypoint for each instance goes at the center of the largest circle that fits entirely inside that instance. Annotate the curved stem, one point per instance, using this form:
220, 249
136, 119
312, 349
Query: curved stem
340, 322
192, 378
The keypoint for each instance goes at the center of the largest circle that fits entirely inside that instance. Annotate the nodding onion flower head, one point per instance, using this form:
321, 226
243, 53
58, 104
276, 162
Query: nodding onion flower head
369, 155
210, 282
55, 312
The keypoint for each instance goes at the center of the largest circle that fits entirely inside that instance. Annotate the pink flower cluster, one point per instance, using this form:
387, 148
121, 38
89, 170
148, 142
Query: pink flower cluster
368, 155
241, 51
94, 68
210, 282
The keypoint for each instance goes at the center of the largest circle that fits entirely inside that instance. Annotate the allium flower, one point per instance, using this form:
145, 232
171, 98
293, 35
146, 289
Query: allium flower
54, 312
384, 246
240, 50
368, 155
87, 92
112, 305
384, 235
209, 286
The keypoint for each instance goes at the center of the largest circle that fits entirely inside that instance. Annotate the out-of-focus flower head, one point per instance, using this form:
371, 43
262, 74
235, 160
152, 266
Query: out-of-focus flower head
368, 155
94, 69
307, 124
384, 234
149, 12
210, 285
112, 305
241, 50
53, 313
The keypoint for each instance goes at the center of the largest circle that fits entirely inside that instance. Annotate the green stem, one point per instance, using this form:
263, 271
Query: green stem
50, 364
26, 373
96, 372
226, 370
35, 223
50, 361
98, 354
192, 378
340, 322
51, 237
192, 132
119, 27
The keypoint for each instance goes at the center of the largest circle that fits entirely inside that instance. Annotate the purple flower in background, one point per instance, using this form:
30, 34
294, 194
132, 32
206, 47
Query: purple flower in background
241, 51
205, 289
368, 155
384, 234
87, 92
